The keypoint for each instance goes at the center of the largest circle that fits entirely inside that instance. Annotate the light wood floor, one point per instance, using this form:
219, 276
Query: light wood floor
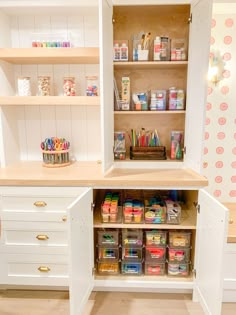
18, 302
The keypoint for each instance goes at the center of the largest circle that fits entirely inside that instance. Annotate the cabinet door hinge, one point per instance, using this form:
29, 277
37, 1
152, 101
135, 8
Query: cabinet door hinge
113, 20
197, 206
194, 271
92, 206
184, 150
190, 19
93, 271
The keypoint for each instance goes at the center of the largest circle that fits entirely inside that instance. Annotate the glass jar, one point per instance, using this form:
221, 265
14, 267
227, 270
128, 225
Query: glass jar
69, 86
23, 86
44, 86
92, 86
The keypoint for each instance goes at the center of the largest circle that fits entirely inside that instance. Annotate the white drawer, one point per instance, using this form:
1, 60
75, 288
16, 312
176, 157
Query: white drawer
230, 261
36, 238
37, 203
39, 269
37, 216
19, 269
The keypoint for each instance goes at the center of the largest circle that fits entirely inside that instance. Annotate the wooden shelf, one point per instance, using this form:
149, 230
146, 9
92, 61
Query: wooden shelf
49, 100
88, 55
150, 112
150, 64
188, 221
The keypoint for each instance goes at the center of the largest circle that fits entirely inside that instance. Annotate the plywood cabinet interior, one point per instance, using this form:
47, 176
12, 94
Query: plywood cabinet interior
171, 21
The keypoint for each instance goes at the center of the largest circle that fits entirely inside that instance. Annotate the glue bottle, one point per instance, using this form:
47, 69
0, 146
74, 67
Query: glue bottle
157, 48
124, 52
116, 52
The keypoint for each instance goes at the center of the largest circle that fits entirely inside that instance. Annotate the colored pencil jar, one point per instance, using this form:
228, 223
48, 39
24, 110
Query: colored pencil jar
56, 158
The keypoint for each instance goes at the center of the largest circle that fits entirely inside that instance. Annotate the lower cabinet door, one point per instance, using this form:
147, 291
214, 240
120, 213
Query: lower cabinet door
212, 222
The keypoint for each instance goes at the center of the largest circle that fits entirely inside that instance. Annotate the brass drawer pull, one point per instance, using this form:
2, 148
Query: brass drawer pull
231, 221
42, 237
64, 218
40, 204
44, 269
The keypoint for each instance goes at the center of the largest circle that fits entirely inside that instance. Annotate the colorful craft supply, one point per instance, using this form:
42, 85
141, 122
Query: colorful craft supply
92, 86
55, 152
110, 207
145, 138
69, 86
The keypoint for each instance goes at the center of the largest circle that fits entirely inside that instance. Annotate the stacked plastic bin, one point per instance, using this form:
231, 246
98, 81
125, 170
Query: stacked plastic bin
108, 252
155, 252
111, 209
155, 208
132, 252
133, 207
179, 253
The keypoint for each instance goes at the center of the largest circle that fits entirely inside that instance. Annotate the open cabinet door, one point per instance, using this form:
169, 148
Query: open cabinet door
106, 81
212, 223
81, 251
199, 45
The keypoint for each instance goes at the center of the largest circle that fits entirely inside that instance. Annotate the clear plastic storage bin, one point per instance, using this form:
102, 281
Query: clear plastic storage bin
156, 238
108, 238
155, 269
155, 208
179, 239
178, 269
132, 238
108, 267
177, 255
132, 253
131, 268
133, 207
155, 253
173, 212
108, 253
111, 209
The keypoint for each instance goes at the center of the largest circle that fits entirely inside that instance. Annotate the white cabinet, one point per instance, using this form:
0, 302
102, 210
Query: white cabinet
206, 285
34, 235
189, 75
27, 121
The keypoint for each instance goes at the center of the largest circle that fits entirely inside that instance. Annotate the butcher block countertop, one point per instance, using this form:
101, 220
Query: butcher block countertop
89, 174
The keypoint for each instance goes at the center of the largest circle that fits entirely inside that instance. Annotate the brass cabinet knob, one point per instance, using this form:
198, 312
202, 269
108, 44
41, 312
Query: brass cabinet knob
231, 221
42, 237
40, 204
43, 269
64, 218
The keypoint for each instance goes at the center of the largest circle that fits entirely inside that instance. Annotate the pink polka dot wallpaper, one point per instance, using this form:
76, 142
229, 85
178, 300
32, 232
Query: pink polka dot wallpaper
219, 160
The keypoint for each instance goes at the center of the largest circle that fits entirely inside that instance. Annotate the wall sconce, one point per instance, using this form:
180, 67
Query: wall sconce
216, 67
